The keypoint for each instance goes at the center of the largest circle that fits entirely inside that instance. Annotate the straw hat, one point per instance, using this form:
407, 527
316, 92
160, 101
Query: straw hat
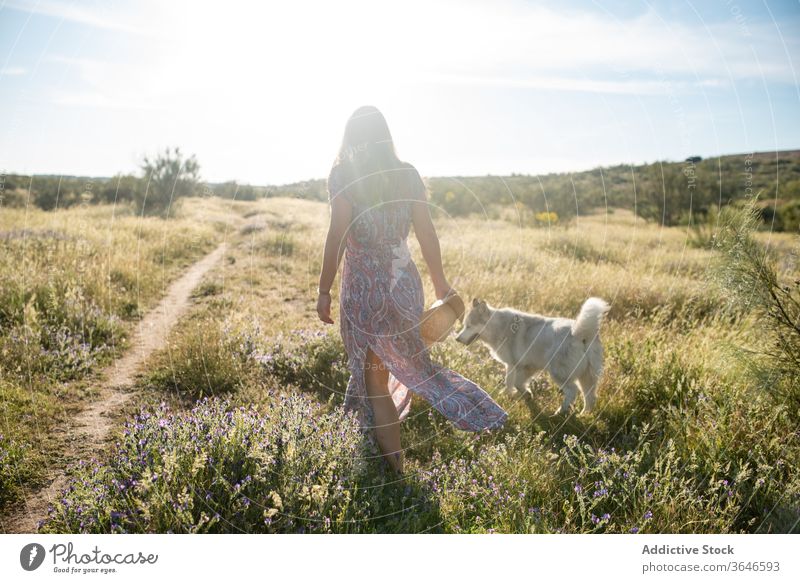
437, 321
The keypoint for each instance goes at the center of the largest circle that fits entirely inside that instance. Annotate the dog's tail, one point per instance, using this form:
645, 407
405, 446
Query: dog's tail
587, 325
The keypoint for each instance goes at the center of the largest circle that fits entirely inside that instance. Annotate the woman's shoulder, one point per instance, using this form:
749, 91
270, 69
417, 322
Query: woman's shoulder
415, 183
337, 181
409, 168
334, 176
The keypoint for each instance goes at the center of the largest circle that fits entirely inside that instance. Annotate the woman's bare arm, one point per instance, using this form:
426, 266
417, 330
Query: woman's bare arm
341, 215
429, 244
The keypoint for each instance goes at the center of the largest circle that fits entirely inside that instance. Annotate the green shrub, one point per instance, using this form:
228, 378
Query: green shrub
14, 469
166, 179
310, 360
525, 485
222, 469
205, 358
788, 217
749, 272
57, 331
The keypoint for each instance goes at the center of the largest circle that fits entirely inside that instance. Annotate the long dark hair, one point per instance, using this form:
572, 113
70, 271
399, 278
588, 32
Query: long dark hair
370, 169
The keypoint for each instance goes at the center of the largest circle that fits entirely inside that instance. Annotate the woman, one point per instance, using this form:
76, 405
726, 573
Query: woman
374, 199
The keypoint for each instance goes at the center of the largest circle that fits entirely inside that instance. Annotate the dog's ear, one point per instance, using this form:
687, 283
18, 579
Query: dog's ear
479, 305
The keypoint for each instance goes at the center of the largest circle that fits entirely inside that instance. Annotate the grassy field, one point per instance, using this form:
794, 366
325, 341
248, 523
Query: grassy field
236, 424
72, 283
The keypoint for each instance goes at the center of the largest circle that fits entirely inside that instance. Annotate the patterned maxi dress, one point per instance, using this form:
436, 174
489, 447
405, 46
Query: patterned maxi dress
381, 302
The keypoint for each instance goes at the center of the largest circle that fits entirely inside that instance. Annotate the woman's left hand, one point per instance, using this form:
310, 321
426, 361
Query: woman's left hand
324, 308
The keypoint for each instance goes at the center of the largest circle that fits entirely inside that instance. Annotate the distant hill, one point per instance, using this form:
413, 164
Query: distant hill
670, 193
667, 192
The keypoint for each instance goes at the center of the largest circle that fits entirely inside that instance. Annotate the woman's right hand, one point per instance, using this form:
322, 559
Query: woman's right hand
324, 308
442, 289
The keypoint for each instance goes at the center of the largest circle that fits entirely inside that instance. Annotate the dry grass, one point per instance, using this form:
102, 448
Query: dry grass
709, 450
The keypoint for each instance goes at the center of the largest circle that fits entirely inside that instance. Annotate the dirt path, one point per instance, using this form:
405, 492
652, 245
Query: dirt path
89, 431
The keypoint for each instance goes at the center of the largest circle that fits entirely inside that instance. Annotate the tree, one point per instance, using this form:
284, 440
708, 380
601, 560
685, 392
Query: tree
120, 189
166, 179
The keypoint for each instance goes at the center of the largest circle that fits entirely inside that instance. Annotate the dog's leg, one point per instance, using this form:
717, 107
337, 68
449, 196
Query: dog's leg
591, 376
589, 389
523, 378
570, 390
511, 381
517, 381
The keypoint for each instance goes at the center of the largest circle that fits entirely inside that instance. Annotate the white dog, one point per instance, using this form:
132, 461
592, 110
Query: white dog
570, 350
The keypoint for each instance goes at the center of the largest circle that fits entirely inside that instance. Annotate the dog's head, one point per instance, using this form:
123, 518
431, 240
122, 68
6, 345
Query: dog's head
474, 322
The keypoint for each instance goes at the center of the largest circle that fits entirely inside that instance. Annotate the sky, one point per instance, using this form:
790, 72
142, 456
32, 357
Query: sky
260, 91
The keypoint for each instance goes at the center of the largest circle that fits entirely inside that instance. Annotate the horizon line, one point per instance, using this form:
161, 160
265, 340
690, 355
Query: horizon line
777, 153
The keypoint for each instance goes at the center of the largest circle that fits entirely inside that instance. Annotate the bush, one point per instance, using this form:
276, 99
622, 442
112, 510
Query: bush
749, 273
655, 379
14, 469
204, 360
56, 331
167, 178
788, 217
222, 469
546, 219
14, 198
309, 360
121, 188
524, 485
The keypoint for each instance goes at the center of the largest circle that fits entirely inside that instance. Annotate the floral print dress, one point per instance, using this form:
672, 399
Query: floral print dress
381, 302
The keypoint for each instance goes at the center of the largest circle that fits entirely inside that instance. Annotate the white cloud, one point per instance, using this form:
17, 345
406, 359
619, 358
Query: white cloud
98, 101
12, 71
244, 82
262, 51
554, 83
96, 14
